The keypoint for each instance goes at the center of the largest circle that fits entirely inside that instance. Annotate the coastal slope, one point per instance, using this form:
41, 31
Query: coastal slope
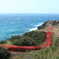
53, 24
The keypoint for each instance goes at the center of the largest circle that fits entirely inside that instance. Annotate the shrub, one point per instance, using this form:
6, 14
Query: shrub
39, 37
4, 54
29, 38
24, 42
16, 37
16, 42
57, 42
53, 48
2, 42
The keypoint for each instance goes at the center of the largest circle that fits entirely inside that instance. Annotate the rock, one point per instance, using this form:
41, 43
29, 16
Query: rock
47, 23
54, 23
43, 25
58, 22
40, 27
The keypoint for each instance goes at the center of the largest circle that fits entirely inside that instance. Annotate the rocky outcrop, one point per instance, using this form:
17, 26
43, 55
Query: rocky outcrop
43, 25
47, 23
55, 22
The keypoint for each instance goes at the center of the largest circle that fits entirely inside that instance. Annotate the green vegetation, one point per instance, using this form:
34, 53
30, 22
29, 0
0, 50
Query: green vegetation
4, 54
51, 52
48, 53
35, 38
57, 42
3, 42
29, 38
54, 38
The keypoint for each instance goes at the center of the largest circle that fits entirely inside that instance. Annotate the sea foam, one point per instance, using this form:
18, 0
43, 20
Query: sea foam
35, 28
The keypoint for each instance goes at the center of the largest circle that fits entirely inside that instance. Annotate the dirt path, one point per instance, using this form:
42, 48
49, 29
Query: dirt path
8, 42
55, 30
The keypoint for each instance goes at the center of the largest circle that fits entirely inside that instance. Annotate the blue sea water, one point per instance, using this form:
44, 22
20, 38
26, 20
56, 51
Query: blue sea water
18, 24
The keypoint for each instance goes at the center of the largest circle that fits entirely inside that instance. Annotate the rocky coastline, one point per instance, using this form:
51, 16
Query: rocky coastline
54, 23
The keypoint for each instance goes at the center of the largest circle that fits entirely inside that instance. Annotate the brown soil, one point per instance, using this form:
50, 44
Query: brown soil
55, 30
8, 42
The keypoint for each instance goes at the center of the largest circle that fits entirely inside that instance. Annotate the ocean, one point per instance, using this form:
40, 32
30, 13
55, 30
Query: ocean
18, 24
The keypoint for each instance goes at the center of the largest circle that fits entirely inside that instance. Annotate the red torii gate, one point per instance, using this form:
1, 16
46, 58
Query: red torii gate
51, 29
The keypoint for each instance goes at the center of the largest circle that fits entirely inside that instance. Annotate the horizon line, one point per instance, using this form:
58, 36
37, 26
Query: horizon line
29, 13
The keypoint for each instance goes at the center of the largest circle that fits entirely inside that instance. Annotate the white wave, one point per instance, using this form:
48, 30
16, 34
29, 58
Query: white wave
35, 28
39, 24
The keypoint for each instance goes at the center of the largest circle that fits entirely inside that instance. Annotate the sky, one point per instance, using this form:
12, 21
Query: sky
29, 6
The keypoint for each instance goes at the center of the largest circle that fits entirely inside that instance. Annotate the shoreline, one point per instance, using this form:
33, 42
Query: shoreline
35, 28
32, 29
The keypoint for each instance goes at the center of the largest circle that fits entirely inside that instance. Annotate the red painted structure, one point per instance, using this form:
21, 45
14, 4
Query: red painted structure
51, 29
15, 48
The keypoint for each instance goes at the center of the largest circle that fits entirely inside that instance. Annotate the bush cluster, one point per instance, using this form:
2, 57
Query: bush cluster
29, 38
4, 54
57, 42
2, 42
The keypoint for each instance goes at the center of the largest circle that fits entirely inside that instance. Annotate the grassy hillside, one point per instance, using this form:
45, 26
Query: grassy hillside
35, 38
51, 52
48, 53
29, 38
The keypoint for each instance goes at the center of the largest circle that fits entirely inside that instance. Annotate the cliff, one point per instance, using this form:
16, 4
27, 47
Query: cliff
54, 23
